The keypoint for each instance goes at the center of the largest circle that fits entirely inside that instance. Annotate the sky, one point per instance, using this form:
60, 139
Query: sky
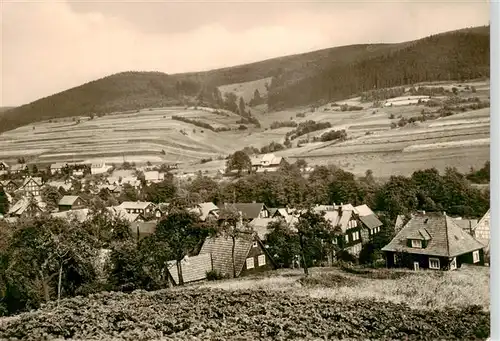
49, 46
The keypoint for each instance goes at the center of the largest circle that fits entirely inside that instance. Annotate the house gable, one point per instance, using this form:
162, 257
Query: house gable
438, 235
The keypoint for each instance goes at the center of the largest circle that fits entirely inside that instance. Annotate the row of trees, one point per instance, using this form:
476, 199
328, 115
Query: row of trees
423, 190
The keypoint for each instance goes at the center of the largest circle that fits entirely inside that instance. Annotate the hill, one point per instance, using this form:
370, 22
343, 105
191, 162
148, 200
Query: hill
302, 79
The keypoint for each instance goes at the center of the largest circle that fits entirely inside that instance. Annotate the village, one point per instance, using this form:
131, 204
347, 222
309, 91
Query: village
419, 240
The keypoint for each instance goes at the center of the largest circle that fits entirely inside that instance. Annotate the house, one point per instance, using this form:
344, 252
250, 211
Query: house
142, 207
153, 177
32, 185
358, 224
466, 224
250, 255
433, 241
99, 168
206, 210
10, 186
132, 181
4, 168
71, 202
79, 215
482, 231
161, 210
65, 185
194, 269
249, 211
26, 207
57, 167
120, 212
267, 162
18, 168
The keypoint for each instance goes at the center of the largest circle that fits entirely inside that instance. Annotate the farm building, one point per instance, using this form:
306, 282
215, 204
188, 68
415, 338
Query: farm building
433, 241
268, 162
250, 255
194, 269
32, 185
71, 202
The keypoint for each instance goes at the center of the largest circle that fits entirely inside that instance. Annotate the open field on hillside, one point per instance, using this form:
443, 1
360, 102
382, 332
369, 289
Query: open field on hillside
277, 306
247, 89
460, 140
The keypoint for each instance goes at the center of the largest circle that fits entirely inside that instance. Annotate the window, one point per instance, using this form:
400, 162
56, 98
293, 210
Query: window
395, 259
346, 238
416, 266
254, 244
475, 256
250, 264
453, 263
434, 263
416, 243
355, 223
261, 260
355, 235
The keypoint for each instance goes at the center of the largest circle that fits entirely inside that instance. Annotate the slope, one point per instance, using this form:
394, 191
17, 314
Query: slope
296, 80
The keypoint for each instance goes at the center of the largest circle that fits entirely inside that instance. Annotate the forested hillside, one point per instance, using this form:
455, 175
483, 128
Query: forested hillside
459, 55
303, 79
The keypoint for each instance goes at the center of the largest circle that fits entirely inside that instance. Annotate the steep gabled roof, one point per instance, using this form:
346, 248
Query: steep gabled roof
220, 249
193, 268
444, 237
69, 200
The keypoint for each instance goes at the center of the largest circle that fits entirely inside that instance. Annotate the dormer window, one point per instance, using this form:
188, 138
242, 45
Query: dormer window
416, 243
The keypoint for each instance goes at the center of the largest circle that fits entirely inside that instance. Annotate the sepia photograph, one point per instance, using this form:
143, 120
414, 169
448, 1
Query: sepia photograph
261, 170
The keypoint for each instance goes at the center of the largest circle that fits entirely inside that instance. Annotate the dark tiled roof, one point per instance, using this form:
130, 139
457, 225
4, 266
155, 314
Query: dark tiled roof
193, 268
249, 210
68, 200
220, 248
447, 239
371, 221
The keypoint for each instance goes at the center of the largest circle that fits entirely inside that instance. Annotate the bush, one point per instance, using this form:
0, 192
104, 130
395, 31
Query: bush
276, 124
214, 275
